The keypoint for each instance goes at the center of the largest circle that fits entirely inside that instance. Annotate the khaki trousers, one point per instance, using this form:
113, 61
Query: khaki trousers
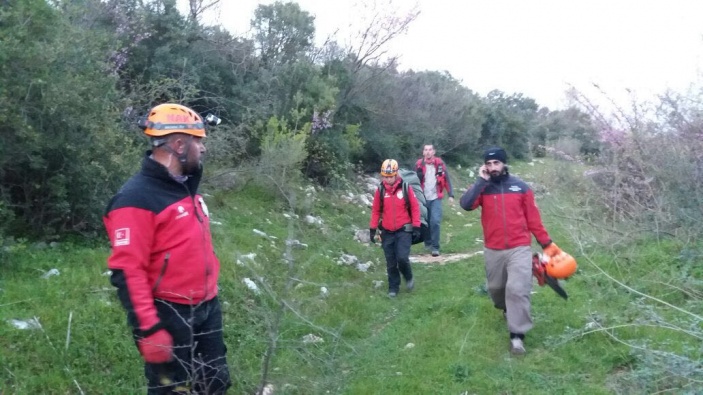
509, 280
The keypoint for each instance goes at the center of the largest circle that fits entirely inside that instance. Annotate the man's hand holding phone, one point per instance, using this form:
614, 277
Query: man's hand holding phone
483, 173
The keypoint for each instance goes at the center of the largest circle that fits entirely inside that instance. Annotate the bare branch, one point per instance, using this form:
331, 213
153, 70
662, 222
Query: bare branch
198, 7
369, 45
611, 278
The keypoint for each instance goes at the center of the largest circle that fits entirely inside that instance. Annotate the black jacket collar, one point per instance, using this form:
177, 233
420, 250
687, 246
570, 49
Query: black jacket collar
154, 169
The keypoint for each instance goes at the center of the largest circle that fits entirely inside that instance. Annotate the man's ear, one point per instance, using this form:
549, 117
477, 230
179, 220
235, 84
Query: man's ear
178, 144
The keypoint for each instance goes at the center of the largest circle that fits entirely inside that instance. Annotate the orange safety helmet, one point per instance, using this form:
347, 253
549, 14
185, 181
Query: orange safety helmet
172, 118
389, 168
561, 266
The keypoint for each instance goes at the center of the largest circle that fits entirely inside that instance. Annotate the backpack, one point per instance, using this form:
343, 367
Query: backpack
409, 179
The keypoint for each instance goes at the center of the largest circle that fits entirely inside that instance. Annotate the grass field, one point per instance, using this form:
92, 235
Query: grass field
443, 338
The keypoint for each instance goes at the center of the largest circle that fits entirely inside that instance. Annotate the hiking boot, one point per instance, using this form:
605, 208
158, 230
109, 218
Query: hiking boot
392, 294
516, 346
410, 284
435, 252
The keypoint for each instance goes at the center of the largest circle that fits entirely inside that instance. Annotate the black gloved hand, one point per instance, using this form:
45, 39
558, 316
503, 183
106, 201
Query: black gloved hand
416, 232
372, 235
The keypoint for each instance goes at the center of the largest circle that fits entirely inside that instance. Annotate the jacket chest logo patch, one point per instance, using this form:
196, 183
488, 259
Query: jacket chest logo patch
515, 188
121, 237
399, 194
182, 212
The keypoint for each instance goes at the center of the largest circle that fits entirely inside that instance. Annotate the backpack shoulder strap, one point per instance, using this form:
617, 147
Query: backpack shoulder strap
381, 192
407, 197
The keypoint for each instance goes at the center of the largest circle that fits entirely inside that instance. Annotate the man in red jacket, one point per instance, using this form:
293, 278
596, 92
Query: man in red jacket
163, 263
434, 178
509, 217
398, 224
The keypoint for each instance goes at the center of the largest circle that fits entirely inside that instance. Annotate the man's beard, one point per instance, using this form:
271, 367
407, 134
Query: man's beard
191, 167
496, 175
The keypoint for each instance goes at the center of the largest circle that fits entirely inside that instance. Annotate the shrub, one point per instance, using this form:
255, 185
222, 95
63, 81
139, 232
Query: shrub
282, 154
62, 154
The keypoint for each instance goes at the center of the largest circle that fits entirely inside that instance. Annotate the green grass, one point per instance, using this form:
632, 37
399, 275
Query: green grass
460, 340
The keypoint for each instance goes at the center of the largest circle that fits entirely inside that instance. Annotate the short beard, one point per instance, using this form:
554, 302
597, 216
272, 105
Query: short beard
190, 169
497, 176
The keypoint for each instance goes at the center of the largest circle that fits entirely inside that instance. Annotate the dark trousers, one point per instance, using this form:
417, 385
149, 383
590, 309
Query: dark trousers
396, 248
199, 363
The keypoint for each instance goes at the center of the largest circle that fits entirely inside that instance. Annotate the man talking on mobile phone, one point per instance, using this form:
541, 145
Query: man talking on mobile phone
509, 217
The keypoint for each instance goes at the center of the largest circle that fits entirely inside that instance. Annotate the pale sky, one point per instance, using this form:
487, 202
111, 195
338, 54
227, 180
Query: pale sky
535, 47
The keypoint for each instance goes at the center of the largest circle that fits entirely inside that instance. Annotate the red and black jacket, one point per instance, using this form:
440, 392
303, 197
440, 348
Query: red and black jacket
159, 230
443, 180
395, 211
508, 212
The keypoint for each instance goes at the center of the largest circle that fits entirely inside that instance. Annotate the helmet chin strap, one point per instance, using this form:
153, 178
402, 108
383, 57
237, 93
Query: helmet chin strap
182, 158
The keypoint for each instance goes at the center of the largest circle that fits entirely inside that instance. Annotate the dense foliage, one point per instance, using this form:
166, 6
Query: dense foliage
76, 74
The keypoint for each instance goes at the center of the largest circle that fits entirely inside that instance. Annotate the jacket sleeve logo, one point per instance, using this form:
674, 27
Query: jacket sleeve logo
121, 237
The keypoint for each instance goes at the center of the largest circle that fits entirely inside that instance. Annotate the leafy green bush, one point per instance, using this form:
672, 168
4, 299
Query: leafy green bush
329, 154
62, 153
282, 155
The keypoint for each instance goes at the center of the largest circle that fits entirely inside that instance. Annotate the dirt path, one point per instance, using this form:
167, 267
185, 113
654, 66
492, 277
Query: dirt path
442, 259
